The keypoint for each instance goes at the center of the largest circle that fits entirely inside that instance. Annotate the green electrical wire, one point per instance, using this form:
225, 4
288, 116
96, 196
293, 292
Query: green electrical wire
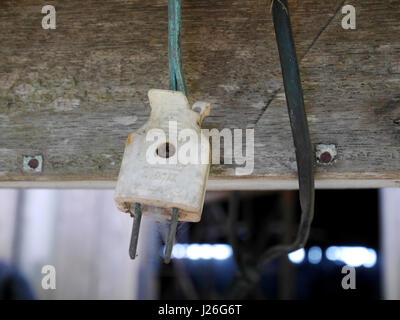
176, 79
176, 83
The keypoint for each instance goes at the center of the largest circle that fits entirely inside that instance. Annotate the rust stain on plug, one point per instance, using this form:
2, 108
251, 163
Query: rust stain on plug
129, 140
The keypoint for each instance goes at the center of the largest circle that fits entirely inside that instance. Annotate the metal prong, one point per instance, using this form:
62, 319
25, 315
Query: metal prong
171, 235
135, 230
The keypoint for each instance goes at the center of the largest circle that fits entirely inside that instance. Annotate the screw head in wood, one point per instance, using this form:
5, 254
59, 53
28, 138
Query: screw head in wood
325, 153
33, 164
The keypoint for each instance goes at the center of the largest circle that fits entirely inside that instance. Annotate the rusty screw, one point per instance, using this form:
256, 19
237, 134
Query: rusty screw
325, 153
33, 163
325, 157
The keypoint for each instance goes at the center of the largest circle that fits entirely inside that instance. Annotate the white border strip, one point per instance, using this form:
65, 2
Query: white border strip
218, 184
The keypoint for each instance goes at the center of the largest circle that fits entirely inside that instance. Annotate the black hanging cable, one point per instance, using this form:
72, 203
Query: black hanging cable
303, 149
299, 125
296, 109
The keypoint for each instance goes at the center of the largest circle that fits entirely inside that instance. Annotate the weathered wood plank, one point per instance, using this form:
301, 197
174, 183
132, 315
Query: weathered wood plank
74, 94
351, 84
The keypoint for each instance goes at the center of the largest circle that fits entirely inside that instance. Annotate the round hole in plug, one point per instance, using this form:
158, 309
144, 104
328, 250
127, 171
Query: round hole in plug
166, 150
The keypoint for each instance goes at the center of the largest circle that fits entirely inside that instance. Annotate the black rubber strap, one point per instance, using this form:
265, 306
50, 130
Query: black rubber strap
298, 122
249, 274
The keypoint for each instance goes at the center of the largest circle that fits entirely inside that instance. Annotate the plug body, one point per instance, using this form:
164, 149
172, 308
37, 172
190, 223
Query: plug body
166, 161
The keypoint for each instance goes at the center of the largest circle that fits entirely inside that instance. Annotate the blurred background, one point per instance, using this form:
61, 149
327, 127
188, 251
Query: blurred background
86, 239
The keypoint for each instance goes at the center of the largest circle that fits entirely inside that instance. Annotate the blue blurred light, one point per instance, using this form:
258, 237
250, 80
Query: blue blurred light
193, 252
222, 251
297, 256
314, 255
352, 256
179, 251
205, 251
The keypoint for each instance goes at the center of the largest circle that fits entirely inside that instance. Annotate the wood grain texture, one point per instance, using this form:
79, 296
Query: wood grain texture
75, 93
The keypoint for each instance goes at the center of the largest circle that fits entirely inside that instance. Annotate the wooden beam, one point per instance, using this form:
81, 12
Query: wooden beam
72, 95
